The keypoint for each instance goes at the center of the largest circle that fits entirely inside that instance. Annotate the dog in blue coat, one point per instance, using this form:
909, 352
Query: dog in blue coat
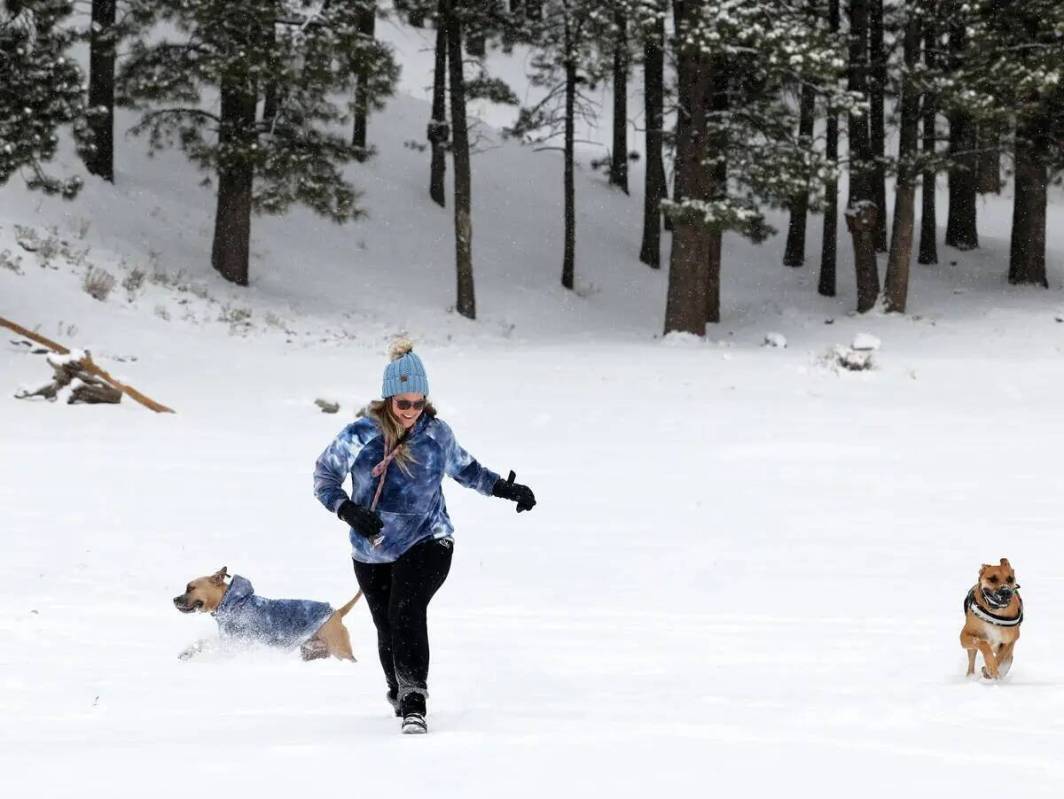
315, 627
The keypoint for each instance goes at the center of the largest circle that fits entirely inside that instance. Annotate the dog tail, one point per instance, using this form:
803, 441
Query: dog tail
347, 608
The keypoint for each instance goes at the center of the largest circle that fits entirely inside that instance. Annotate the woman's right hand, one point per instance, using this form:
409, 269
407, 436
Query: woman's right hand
364, 521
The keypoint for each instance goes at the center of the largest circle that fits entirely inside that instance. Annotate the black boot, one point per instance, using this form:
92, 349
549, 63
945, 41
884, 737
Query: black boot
412, 709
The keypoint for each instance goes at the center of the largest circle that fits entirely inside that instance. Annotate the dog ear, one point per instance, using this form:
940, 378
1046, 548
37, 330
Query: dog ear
983, 568
1005, 562
220, 575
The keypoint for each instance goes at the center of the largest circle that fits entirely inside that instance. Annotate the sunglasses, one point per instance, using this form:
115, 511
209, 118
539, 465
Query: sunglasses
405, 405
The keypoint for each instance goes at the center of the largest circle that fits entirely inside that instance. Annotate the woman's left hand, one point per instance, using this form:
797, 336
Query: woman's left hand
515, 492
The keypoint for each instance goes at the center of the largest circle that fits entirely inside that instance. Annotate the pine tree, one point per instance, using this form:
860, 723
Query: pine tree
929, 216
102, 46
463, 185
737, 59
308, 52
877, 126
794, 250
618, 41
896, 285
829, 244
649, 19
40, 90
962, 229
111, 22
438, 132
862, 212
566, 60
365, 92
1013, 75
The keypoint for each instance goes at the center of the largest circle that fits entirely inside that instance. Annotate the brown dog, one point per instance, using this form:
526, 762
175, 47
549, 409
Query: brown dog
993, 612
315, 627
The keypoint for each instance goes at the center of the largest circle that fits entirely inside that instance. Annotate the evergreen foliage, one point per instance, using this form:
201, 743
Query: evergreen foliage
307, 52
40, 90
1014, 72
761, 53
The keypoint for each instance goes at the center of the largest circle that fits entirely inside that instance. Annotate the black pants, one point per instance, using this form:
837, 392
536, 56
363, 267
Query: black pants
398, 596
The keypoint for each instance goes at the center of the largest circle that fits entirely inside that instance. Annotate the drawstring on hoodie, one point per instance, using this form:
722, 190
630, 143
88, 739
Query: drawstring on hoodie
381, 471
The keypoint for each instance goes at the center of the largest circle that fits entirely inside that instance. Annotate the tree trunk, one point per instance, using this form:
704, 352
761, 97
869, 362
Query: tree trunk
367, 26
829, 245
989, 158
862, 212
438, 132
877, 132
534, 9
685, 308
102, 89
654, 71
717, 146
961, 229
678, 11
619, 160
929, 216
569, 258
794, 252
1027, 252
861, 221
270, 103
861, 188
232, 222
463, 188
896, 289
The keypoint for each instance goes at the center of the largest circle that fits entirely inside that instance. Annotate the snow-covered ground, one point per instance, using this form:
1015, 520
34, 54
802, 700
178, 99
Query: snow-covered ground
744, 575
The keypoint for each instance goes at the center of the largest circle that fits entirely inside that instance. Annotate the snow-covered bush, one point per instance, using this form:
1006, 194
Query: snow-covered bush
98, 283
777, 340
849, 359
134, 282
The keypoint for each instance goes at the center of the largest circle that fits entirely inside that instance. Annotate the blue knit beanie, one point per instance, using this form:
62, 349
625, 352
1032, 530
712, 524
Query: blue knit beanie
405, 374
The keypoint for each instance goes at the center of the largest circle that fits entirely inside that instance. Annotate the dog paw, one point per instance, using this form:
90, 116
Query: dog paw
314, 649
193, 650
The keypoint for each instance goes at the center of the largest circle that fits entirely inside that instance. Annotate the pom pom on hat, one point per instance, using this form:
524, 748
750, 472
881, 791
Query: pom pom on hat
400, 347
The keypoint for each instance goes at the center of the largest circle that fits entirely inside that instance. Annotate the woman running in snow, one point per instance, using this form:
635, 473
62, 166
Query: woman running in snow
397, 454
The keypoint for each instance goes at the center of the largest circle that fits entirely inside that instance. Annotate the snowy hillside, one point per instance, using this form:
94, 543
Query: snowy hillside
744, 575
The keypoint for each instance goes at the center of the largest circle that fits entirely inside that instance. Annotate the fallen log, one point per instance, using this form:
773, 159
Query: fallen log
69, 370
88, 366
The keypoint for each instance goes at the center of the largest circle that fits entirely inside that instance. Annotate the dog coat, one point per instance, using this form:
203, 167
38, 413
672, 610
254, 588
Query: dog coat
278, 622
411, 505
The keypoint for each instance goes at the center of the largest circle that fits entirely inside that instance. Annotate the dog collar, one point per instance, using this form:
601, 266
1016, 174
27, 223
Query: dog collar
992, 618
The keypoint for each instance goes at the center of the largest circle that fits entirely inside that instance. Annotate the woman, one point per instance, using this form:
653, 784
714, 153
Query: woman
397, 454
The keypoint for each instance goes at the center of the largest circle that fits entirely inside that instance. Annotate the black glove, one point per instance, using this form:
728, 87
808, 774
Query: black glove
364, 521
515, 492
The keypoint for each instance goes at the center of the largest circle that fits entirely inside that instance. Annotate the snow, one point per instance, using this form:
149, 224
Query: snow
866, 341
777, 340
744, 575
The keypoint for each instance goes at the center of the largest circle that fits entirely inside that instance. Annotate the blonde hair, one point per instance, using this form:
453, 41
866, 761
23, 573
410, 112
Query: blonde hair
381, 411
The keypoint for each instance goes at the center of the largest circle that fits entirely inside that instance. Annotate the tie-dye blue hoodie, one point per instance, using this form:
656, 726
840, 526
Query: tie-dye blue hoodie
411, 505
277, 622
